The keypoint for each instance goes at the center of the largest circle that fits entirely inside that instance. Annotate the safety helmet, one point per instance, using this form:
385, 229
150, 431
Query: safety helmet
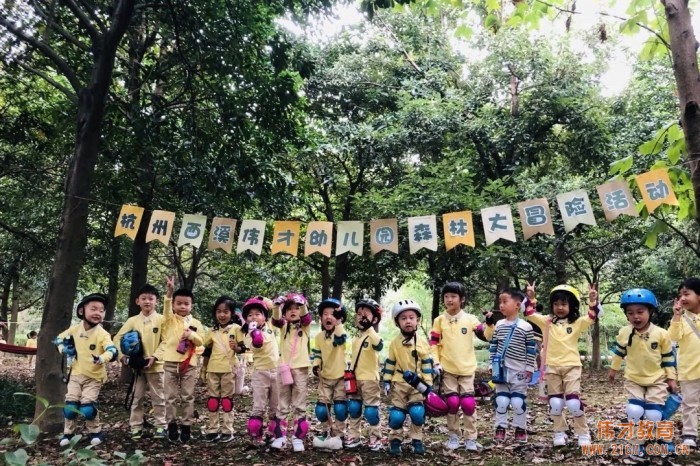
256, 302
339, 311
290, 299
131, 343
80, 310
372, 305
568, 289
639, 296
573, 298
405, 305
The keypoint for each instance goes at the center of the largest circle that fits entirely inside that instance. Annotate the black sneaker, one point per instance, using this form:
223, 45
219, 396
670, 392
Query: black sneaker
225, 438
213, 437
185, 434
173, 433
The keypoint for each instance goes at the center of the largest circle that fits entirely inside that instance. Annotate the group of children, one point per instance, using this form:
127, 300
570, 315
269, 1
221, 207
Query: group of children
421, 376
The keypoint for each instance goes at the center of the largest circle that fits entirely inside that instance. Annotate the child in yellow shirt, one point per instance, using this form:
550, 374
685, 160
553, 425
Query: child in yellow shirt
31, 343
89, 348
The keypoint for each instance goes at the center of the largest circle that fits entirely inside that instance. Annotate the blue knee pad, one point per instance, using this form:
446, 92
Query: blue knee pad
396, 417
417, 413
355, 408
372, 415
321, 411
69, 413
340, 409
89, 410
517, 401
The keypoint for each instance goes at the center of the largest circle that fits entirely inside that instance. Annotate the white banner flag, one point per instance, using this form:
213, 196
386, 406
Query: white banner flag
350, 238
251, 236
498, 223
575, 208
422, 233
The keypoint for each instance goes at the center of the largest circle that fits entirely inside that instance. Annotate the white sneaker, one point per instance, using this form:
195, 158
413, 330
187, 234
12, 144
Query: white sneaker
374, 443
690, 442
279, 443
297, 444
334, 443
560, 439
584, 439
65, 440
452, 443
471, 445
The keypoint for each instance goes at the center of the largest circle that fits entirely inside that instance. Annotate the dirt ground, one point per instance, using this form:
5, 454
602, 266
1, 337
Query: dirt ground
604, 401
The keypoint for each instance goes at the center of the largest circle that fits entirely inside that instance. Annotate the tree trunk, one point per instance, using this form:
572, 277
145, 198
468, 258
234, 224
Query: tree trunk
14, 311
684, 47
560, 274
595, 354
341, 271
5, 303
139, 259
72, 235
326, 279
436, 303
113, 284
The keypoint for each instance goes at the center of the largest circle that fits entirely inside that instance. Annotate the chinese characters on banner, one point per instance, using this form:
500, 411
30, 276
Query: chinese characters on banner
422, 233
285, 238
458, 227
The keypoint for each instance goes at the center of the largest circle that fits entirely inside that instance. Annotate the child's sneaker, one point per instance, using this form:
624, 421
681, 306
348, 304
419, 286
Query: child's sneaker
173, 432
584, 440
65, 440
559, 439
452, 443
280, 443
226, 438
185, 434
160, 434
395, 447
96, 439
471, 445
212, 437
136, 434
418, 447
297, 444
352, 442
335, 443
500, 435
374, 443
520, 435
690, 441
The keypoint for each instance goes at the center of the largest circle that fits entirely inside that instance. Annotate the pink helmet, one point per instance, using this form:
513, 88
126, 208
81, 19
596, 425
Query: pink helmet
435, 406
256, 302
292, 298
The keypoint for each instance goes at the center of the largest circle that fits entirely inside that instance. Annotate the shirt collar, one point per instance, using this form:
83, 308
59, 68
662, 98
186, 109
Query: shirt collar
454, 318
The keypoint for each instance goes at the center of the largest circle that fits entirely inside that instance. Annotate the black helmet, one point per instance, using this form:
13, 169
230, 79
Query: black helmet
372, 305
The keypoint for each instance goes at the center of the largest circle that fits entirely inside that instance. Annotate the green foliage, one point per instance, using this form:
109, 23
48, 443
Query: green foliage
12, 405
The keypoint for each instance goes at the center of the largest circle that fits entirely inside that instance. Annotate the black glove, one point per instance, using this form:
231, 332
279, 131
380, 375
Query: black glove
316, 370
364, 323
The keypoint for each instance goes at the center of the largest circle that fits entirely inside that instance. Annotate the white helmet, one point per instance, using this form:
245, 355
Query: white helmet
405, 305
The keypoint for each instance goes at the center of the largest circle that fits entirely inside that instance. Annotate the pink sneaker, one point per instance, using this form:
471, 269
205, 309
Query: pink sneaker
500, 434
520, 435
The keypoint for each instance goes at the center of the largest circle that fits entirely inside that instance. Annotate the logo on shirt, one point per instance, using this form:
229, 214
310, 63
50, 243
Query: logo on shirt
569, 330
464, 331
92, 347
155, 329
654, 345
414, 354
269, 331
365, 344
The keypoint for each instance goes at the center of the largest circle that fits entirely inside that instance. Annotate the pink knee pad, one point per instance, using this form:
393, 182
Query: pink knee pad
452, 401
213, 404
301, 428
468, 404
255, 427
227, 404
277, 427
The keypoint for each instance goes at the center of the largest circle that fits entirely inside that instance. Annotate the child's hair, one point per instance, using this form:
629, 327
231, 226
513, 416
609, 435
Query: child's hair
567, 296
184, 292
32, 334
454, 287
230, 305
148, 289
692, 283
539, 307
513, 293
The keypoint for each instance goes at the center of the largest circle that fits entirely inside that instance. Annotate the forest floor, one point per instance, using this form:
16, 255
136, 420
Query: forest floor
604, 401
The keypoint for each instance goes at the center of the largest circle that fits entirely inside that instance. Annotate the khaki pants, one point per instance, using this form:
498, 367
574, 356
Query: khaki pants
220, 386
292, 398
153, 381
566, 380
369, 392
461, 385
265, 392
32, 361
330, 390
689, 407
179, 386
83, 390
652, 394
402, 395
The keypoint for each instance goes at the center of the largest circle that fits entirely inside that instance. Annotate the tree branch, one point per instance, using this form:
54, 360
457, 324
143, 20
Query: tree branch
683, 236
52, 24
84, 21
91, 11
22, 234
71, 95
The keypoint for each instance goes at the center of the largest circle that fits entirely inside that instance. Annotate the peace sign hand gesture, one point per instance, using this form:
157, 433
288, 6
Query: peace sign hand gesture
677, 309
530, 290
592, 294
170, 286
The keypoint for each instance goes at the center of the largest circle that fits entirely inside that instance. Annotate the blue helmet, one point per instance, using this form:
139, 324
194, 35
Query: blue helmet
639, 296
131, 343
339, 312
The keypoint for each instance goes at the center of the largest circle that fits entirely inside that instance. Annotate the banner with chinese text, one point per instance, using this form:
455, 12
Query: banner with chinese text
351, 238
160, 226
498, 223
384, 234
285, 238
575, 208
251, 236
221, 234
319, 236
655, 187
616, 199
129, 221
192, 230
535, 217
422, 233
458, 229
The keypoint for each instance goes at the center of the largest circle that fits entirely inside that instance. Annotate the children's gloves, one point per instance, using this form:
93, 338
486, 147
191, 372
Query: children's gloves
387, 388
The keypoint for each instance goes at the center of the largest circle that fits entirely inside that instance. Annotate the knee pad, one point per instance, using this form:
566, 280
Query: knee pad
574, 405
372, 415
277, 427
71, 409
396, 417
517, 401
556, 404
340, 410
321, 411
635, 410
452, 402
653, 412
213, 404
301, 428
502, 401
227, 404
89, 411
355, 408
468, 404
255, 426
417, 413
